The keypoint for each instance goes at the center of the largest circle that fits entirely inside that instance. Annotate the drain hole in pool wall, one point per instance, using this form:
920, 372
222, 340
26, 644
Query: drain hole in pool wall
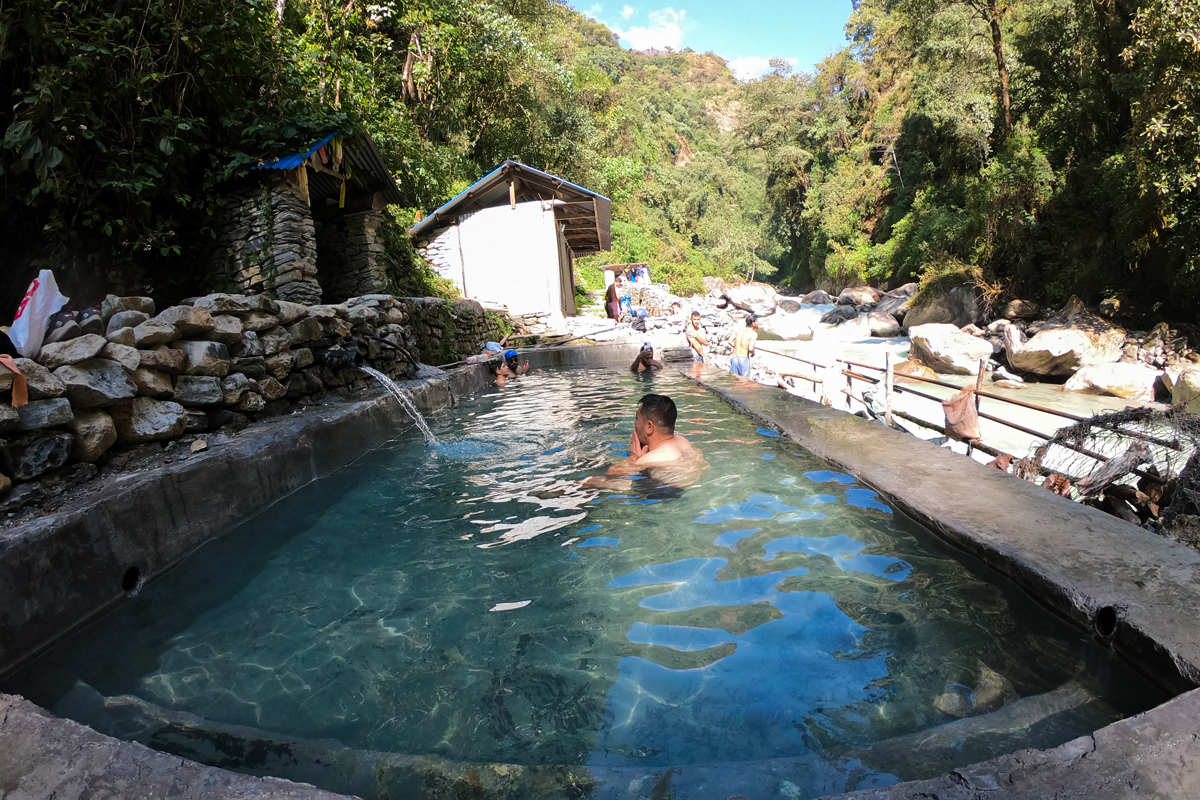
1106, 621
133, 577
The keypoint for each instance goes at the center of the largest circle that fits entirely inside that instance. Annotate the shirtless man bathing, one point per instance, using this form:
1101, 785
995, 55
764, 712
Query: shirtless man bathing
743, 347
654, 443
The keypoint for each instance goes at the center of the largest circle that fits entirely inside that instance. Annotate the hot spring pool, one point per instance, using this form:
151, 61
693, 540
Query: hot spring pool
471, 601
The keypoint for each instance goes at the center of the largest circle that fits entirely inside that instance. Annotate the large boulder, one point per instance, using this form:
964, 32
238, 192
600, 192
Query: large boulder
883, 325
818, 298
858, 296
757, 298
94, 433
96, 383
38, 414
145, 419
1184, 387
839, 315
72, 351
1058, 352
958, 307
945, 349
24, 458
1021, 309
1130, 381
907, 370
898, 301
785, 327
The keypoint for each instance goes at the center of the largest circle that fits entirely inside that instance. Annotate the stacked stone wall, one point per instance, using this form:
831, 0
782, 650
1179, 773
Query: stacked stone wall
266, 241
449, 331
350, 253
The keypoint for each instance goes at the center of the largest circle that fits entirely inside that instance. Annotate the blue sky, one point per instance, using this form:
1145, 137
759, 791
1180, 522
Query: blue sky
744, 34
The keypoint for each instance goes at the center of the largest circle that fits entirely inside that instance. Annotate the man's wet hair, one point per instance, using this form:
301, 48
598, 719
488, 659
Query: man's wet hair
750, 320
695, 313
659, 409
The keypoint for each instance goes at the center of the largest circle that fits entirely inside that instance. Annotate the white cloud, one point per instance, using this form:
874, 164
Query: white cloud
751, 67
626, 12
665, 30
594, 11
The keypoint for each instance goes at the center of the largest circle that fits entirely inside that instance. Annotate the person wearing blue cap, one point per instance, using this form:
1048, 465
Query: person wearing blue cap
645, 361
511, 367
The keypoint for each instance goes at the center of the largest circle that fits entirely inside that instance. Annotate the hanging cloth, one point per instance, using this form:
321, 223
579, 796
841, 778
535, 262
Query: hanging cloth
962, 421
20, 389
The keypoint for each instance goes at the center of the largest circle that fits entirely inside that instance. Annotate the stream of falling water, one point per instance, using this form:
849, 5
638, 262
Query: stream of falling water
405, 401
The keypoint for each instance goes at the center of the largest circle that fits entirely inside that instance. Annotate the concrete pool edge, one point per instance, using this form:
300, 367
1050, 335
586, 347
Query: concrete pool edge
60, 570
1074, 559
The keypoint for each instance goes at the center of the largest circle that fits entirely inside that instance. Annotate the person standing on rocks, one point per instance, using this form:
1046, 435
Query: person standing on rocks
743, 348
696, 338
612, 302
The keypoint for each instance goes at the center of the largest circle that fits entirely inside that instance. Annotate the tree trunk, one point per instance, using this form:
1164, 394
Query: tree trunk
1001, 65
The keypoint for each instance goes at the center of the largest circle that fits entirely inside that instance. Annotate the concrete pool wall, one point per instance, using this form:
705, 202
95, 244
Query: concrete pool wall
1139, 593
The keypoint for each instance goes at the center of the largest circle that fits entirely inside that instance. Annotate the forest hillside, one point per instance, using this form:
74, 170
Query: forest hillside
1039, 148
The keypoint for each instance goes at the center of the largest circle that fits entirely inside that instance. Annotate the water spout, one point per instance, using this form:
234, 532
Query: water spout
338, 359
405, 401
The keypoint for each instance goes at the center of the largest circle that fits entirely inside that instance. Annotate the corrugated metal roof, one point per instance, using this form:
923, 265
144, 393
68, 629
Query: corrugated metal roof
366, 164
490, 191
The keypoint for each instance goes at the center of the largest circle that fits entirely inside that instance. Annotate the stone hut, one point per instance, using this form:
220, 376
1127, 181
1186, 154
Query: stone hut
511, 239
305, 225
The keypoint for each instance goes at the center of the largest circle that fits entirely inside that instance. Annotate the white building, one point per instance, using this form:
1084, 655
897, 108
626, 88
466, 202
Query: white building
511, 239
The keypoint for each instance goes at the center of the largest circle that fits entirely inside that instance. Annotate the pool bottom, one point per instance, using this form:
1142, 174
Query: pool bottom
835, 769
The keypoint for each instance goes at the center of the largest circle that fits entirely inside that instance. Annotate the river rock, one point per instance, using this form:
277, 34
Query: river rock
785, 305
305, 330
883, 325
957, 307
818, 298
783, 326
197, 390
945, 349
251, 403
993, 691
72, 351
858, 296
1021, 309
145, 419
233, 387
41, 381
258, 321
1004, 383
757, 298
279, 365
164, 359
154, 331
839, 315
912, 369
237, 304
290, 312
94, 433
10, 419
38, 414
1061, 351
96, 383
125, 319
275, 340
1184, 386
1130, 381
123, 336
25, 457
227, 329
271, 389
153, 383
128, 357
190, 321
205, 358
896, 305
113, 305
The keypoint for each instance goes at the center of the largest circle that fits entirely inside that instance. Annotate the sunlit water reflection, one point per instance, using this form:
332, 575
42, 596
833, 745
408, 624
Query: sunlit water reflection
471, 600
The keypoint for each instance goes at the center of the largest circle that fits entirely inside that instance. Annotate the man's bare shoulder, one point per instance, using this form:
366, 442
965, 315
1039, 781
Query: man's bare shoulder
667, 451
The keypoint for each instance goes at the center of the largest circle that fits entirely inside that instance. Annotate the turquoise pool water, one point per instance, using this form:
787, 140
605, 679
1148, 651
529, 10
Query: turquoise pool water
471, 601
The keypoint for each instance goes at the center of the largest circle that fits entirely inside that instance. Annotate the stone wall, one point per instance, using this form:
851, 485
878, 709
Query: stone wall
444, 255
266, 241
449, 331
349, 255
